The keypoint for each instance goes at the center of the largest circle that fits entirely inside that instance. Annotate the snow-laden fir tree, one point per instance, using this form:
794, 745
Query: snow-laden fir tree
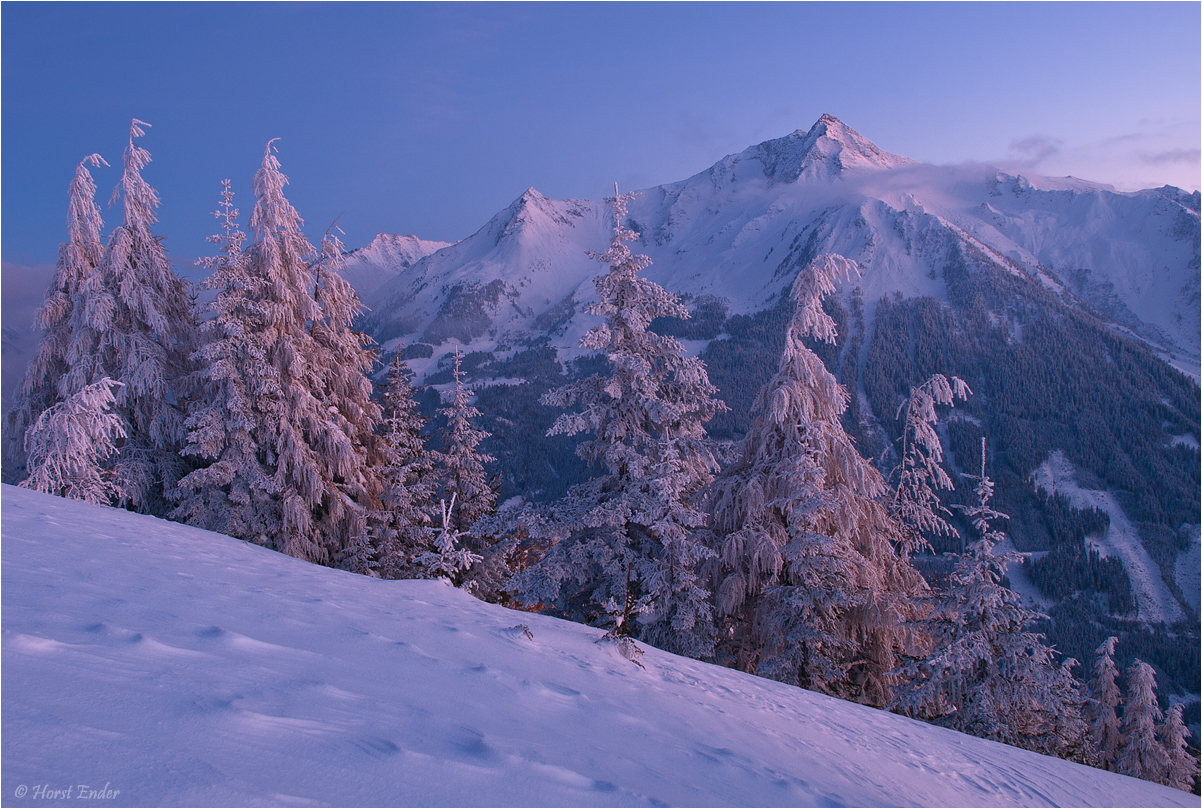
647, 419
233, 491
133, 322
447, 559
68, 444
45, 381
308, 415
313, 430
1101, 711
1142, 755
461, 462
988, 675
406, 471
351, 449
810, 588
1182, 769
919, 475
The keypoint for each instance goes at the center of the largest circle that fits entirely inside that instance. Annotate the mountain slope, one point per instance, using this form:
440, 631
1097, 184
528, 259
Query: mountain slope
370, 267
183, 667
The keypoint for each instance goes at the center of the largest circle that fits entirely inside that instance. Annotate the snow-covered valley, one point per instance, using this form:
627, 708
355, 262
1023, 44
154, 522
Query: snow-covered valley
181, 667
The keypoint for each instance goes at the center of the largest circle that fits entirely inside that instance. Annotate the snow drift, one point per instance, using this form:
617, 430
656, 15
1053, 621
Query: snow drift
179, 667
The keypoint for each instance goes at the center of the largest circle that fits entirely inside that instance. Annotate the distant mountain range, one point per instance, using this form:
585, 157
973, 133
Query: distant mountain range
740, 230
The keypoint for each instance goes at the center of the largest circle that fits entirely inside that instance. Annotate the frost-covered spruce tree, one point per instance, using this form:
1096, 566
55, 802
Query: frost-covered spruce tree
810, 588
45, 381
308, 407
988, 676
447, 560
70, 441
234, 386
635, 523
133, 322
1101, 711
919, 475
351, 448
461, 461
1142, 755
1182, 769
406, 472
313, 430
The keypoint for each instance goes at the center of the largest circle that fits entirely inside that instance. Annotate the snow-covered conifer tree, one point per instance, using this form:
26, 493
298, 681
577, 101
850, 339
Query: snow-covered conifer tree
447, 560
133, 322
406, 471
234, 385
69, 443
45, 381
919, 475
1101, 711
647, 420
462, 462
988, 675
309, 418
811, 590
314, 429
359, 556
1142, 755
352, 448
1182, 769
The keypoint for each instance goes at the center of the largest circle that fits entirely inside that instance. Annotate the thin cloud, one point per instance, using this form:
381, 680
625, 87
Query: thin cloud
1035, 149
1173, 156
1131, 137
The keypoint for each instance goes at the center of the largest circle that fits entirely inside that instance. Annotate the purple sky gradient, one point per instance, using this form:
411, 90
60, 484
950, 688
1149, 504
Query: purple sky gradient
428, 119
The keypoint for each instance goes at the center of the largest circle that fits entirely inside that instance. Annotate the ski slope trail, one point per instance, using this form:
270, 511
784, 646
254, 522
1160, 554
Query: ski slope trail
1155, 602
179, 667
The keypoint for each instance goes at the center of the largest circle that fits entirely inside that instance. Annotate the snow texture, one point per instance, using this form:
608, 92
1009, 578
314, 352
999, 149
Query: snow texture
182, 667
1154, 601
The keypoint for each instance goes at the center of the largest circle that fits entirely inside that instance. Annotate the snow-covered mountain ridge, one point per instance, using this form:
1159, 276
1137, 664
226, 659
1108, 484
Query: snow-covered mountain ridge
183, 667
741, 230
370, 267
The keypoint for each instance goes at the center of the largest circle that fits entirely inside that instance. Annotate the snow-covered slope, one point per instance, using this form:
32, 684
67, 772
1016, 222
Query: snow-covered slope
742, 229
1153, 599
370, 267
178, 667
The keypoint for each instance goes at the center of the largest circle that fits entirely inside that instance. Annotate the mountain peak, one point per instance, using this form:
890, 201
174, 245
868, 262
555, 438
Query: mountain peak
368, 268
826, 149
394, 248
533, 210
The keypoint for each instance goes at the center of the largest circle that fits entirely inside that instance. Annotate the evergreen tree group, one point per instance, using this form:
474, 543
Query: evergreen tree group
120, 313
988, 674
1145, 742
254, 417
811, 588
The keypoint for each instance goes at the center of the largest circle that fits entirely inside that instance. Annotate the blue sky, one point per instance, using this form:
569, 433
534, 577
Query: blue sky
429, 118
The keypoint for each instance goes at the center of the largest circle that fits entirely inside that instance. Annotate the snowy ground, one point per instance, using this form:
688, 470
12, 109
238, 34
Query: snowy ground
172, 666
1188, 569
1153, 598
1020, 582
